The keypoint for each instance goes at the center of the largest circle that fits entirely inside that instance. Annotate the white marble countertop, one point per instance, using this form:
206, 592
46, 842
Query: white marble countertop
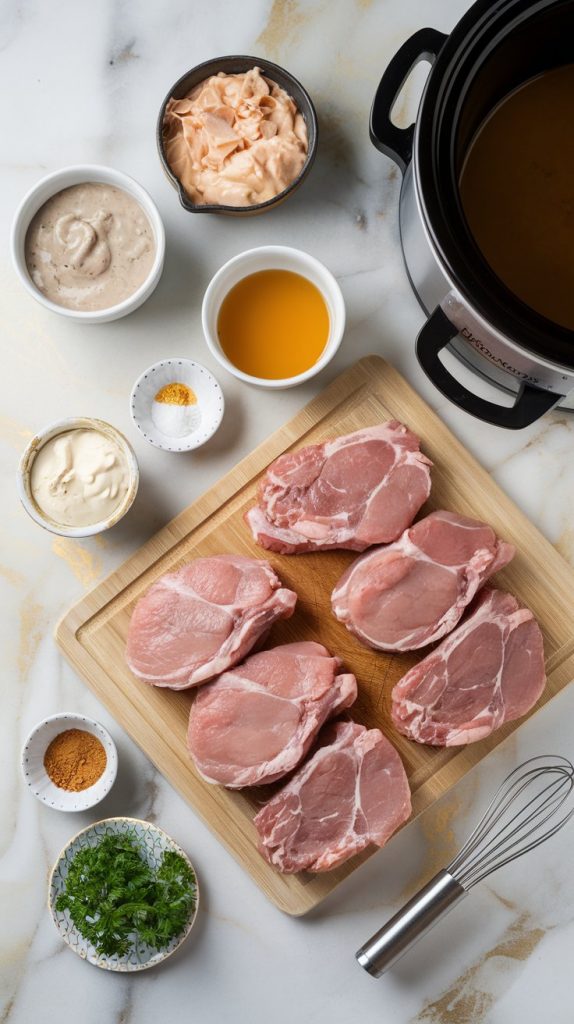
82, 82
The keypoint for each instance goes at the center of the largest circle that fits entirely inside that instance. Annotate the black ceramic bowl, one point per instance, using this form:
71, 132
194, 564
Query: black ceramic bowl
234, 65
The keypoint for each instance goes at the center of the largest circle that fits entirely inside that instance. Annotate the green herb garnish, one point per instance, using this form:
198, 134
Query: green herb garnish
117, 901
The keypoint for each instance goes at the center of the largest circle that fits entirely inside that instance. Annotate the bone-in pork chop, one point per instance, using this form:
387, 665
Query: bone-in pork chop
256, 722
353, 491
199, 621
411, 593
351, 792
490, 670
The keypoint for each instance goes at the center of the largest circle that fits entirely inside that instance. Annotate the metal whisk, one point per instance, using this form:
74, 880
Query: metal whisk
532, 803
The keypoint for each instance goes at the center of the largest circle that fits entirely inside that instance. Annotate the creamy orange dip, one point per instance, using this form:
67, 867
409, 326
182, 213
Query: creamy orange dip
235, 140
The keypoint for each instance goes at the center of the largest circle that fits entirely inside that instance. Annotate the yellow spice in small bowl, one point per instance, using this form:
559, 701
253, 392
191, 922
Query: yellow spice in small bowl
176, 393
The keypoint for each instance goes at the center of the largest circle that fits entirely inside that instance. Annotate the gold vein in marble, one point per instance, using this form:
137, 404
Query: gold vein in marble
86, 566
16, 579
440, 841
509, 904
42, 353
235, 923
474, 993
285, 21
32, 624
7, 1010
15, 434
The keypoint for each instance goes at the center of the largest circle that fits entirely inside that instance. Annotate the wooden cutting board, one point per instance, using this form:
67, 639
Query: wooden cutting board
93, 634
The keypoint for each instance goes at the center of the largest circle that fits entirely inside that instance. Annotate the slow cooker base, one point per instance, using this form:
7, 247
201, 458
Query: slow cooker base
502, 381
474, 362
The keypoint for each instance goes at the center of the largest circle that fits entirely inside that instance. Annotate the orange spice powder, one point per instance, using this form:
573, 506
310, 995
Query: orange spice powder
75, 759
176, 393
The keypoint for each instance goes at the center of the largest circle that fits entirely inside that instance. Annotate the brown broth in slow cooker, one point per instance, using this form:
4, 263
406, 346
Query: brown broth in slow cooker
517, 192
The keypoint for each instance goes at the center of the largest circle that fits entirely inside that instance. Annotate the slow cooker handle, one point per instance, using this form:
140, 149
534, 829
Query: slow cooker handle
397, 143
530, 404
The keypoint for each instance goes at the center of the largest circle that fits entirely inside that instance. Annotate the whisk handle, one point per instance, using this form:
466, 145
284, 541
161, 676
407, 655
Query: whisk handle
407, 926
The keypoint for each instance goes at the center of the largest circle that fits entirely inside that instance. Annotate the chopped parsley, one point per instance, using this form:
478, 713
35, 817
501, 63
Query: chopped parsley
118, 902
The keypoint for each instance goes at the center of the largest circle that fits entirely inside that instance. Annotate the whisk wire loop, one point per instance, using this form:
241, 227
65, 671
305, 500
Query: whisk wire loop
501, 835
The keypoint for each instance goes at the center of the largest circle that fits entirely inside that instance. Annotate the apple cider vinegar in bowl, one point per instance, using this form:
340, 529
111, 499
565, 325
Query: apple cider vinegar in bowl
273, 316
273, 324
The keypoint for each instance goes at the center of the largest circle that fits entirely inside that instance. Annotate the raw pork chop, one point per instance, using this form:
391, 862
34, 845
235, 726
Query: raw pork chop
489, 671
195, 623
353, 791
351, 492
256, 723
408, 594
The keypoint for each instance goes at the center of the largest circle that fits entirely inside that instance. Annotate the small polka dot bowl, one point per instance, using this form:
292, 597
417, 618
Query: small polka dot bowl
177, 405
36, 777
153, 842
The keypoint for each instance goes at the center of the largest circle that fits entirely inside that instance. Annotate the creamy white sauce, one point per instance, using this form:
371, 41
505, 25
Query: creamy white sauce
79, 478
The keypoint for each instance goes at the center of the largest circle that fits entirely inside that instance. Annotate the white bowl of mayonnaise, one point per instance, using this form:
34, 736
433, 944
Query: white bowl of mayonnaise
88, 243
78, 477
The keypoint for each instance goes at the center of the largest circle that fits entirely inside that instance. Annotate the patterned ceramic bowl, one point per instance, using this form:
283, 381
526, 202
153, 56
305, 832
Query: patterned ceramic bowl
154, 842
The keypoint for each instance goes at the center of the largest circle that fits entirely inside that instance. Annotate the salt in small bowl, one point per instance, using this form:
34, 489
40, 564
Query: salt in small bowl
37, 778
152, 418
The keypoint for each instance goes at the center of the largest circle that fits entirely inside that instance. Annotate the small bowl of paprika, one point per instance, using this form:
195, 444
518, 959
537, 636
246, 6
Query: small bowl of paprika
69, 762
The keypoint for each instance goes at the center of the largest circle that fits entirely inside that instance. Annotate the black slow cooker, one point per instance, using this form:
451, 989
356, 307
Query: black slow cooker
496, 47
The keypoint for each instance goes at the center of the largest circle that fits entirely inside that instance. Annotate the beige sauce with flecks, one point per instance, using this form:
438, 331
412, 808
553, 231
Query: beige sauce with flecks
89, 247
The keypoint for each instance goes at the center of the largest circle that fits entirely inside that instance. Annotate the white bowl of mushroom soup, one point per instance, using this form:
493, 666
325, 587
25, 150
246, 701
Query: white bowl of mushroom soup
88, 243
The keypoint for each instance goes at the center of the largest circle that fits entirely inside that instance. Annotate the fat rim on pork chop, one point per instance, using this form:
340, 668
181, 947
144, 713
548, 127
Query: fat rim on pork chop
195, 623
349, 492
256, 722
351, 792
488, 671
406, 595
